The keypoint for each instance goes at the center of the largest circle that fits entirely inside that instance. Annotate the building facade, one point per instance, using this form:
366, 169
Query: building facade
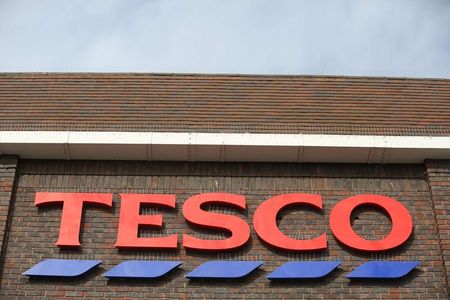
253, 136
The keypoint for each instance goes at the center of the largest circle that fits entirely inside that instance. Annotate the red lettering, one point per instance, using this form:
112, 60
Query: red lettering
264, 220
265, 223
130, 219
341, 227
69, 231
240, 231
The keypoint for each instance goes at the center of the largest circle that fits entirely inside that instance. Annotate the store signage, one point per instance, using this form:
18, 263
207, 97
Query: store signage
264, 224
264, 220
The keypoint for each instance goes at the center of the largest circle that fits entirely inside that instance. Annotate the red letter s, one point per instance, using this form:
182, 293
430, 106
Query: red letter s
240, 231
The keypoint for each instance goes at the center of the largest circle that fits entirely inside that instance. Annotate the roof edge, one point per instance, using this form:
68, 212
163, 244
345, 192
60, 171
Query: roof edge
231, 75
184, 146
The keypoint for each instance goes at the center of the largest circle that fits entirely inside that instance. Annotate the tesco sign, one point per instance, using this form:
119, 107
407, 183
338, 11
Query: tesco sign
264, 220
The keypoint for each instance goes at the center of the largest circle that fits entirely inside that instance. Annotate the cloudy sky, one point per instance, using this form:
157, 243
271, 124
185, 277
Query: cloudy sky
348, 37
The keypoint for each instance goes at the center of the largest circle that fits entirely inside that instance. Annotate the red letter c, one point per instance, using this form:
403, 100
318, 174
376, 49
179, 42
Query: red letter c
265, 223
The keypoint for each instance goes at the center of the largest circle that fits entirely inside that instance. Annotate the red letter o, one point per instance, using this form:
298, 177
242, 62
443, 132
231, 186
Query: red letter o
341, 227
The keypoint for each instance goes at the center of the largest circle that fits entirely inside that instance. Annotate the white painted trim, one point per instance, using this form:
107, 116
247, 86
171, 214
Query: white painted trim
223, 146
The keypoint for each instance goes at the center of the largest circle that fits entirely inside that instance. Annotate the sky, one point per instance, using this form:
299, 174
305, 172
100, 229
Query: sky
401, 38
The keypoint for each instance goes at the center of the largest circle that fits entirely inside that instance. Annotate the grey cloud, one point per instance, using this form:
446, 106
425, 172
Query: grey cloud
347, 37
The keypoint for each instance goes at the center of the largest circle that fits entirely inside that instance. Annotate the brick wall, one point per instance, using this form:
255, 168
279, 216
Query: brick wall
8, 166
439, 180
33, 231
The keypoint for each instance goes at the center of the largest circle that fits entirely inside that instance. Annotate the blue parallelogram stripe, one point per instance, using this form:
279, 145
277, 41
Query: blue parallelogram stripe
224, 269
62, 268
303, 270
221, 269
142, 269
383, 269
